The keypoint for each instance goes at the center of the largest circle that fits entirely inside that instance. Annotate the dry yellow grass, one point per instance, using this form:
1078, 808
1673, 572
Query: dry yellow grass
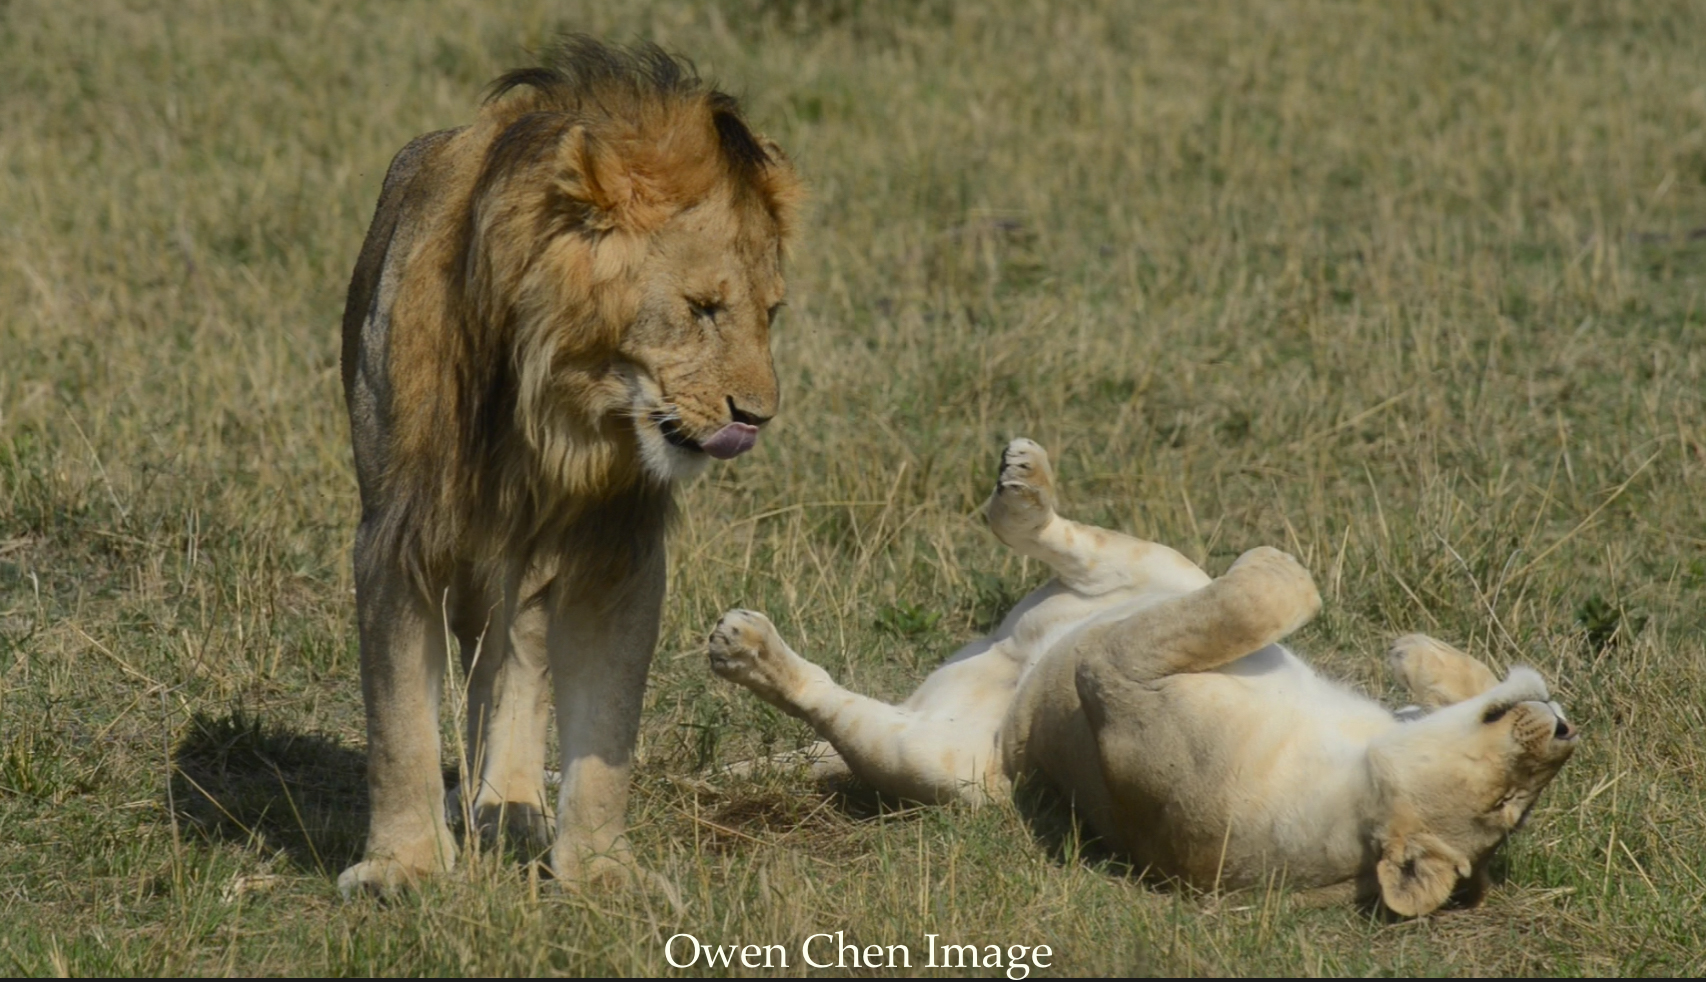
1416, 293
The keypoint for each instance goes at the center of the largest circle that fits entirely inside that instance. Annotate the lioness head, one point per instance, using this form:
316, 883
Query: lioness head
1459, 780
632, 230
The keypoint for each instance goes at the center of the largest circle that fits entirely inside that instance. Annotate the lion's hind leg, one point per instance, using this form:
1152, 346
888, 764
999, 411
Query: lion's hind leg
1085, 558
893, 749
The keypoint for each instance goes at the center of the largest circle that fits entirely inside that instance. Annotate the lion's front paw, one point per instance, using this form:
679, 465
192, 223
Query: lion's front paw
745, 648
1024, 499
1436, 673
576, 869
575, 866
379, 878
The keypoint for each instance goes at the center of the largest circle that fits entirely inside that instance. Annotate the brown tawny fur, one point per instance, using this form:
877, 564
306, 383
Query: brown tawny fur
558, 310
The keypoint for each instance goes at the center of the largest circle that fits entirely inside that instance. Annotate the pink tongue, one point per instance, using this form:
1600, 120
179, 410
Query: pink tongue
731, 441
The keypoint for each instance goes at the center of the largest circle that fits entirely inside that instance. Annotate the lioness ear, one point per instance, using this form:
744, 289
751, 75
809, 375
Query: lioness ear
1417, 873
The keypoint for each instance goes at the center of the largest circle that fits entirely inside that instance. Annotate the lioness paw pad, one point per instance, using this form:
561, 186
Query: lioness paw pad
1024, 491
744, 648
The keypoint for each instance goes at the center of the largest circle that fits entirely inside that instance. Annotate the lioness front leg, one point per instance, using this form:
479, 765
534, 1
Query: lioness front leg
600, 649
1085, 558
1436, 673
402, 672
1265, 596
894, 750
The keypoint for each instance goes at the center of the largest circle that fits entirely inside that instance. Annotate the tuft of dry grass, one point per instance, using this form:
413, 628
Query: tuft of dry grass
1415, 292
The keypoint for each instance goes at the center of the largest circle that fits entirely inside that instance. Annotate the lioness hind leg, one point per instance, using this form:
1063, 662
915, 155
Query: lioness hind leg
820, 761
894, 750
1436, 673
1087, 559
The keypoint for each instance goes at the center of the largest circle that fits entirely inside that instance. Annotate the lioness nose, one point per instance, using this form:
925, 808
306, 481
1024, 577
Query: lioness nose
740, 415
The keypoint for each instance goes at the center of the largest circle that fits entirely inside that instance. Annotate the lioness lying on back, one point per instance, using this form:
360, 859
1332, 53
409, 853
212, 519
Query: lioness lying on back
1159, 701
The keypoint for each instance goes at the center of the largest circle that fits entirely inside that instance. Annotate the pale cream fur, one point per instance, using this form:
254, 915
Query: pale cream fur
1159, 701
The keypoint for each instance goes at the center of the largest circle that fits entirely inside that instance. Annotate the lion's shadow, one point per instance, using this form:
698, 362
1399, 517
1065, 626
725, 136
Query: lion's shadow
300, 795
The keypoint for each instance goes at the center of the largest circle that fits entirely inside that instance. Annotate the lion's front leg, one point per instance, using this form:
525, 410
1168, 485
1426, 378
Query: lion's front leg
402, 671
508, 713
600, 648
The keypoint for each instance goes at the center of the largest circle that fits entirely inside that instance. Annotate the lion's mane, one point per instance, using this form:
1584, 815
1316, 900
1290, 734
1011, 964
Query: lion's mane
526, 230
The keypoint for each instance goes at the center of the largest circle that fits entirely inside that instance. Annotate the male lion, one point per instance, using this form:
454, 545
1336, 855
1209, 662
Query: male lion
560, 310
1160, 702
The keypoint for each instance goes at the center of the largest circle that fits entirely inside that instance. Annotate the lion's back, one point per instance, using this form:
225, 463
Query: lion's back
410, 186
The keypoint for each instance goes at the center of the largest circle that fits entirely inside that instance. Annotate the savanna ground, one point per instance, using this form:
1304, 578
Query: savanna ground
1416, 293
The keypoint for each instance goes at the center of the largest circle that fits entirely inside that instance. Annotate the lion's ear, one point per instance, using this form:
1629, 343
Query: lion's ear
599, 182
782, 187
1417, 873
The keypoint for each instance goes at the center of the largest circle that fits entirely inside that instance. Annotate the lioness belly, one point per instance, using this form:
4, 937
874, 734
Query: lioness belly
1235, 774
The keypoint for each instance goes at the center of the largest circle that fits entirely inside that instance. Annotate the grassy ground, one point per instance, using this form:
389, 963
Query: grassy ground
1417, 293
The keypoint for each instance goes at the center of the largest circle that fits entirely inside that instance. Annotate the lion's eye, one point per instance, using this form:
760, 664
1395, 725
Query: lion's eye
705, 309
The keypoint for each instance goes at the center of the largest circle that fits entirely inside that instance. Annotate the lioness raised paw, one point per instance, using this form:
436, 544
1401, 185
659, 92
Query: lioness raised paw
745, 648
1436, 673
1278, 586
1024, 500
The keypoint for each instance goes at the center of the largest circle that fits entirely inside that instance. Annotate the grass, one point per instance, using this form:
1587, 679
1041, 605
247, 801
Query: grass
1416, 292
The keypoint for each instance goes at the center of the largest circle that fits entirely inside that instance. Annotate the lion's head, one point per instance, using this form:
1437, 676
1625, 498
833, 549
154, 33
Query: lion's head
625, 250
1457, 782
580, 287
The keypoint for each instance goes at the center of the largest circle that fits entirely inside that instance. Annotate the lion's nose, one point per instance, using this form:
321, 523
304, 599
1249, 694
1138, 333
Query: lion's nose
740, 415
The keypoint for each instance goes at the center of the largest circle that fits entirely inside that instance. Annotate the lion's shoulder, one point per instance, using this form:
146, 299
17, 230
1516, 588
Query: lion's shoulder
377, 248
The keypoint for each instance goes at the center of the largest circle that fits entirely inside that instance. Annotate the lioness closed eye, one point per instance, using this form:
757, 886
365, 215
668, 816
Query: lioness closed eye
1161, 703
560, 310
